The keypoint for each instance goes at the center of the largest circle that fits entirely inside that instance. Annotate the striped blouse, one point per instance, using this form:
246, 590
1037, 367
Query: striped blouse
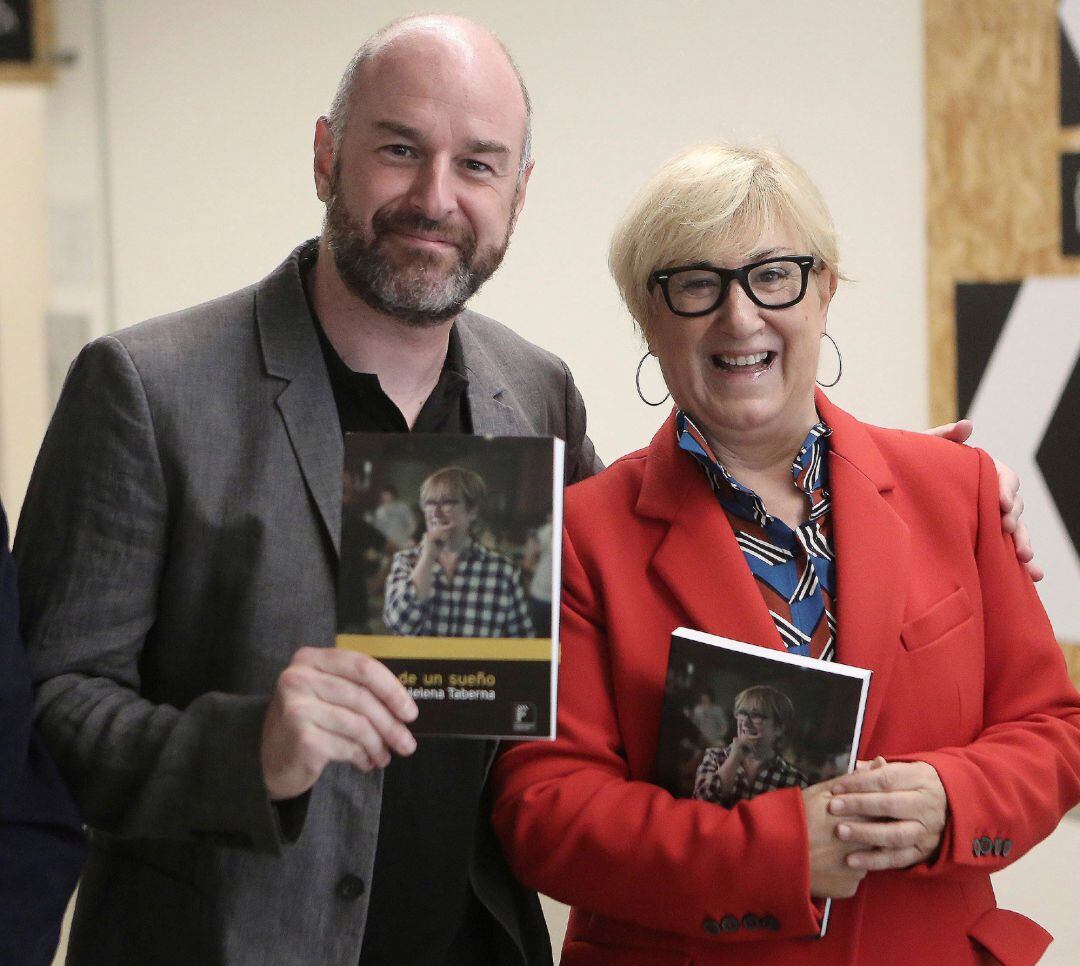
795, 569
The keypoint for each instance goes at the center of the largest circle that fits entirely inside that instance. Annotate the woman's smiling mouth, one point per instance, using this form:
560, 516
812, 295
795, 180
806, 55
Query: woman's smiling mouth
753, 362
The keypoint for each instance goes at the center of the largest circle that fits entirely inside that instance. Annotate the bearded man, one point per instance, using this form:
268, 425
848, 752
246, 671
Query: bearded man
254, 795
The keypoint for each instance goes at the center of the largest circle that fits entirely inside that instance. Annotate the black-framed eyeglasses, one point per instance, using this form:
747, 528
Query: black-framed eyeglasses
772, 283
757, 717
446, 503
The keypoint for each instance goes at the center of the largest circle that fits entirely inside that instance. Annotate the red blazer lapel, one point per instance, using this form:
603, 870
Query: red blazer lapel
872, 555
703, 567
698, 559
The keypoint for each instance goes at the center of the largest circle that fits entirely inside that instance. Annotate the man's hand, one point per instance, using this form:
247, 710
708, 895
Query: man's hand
1012, 503
831, 873
1012, 506
897, 810
332, 705
958, 432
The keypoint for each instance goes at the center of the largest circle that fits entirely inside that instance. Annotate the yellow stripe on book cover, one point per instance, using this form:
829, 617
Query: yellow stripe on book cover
387, 646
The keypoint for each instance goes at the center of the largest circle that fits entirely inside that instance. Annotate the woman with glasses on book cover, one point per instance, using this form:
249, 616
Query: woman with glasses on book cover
753, 762
451, 585
762, 512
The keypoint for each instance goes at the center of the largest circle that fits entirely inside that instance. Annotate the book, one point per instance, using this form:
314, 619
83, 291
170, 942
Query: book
803, 717
449, 574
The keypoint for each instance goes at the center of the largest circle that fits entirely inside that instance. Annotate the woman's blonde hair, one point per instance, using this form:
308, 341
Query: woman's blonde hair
711, 198
764, 697
460, 483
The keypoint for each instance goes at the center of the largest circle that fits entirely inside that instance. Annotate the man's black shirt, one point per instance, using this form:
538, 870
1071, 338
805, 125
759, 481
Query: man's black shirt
422, 910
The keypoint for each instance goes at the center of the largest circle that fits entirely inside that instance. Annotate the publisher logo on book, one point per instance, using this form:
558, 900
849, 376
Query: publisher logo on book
524, 717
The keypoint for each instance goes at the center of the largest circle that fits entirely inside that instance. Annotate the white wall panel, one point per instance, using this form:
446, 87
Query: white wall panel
211, 110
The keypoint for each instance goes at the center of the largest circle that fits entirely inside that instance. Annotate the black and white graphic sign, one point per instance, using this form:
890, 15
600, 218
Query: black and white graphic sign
1070, 204
1069, 17
1018, 351
16, 31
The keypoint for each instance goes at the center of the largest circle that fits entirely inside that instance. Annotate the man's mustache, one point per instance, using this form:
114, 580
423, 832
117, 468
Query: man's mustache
410, 221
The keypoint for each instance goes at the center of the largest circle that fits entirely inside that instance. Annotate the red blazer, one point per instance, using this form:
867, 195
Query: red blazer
967, 676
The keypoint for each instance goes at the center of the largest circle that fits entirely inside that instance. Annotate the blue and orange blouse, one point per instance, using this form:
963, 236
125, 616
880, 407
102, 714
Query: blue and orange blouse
795, 569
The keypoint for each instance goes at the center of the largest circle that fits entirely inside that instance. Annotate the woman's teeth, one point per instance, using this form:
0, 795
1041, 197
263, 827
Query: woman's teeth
741, 362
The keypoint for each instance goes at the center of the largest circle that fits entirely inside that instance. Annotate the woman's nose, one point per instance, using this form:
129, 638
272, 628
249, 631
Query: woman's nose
737, 314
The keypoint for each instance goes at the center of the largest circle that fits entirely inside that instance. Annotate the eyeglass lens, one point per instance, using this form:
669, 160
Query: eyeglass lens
774, 283
444, 504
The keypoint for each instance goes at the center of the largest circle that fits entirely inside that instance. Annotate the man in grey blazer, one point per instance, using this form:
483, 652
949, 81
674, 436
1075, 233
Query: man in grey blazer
179, 541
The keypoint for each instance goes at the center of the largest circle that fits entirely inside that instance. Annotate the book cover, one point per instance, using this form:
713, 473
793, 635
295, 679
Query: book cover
739, 720
449, 574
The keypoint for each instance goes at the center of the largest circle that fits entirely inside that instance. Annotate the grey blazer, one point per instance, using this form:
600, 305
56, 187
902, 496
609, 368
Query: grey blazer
177, 544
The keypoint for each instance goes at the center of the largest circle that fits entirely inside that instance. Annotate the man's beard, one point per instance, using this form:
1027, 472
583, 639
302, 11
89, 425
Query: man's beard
412, 287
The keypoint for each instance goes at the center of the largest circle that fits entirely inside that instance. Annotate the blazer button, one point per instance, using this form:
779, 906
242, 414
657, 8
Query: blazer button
350, 887
750, 921
729, 924
771, 923
986, 845
711, 926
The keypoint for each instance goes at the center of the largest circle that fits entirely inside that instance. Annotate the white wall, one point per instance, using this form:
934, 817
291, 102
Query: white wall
23, 287
211, 109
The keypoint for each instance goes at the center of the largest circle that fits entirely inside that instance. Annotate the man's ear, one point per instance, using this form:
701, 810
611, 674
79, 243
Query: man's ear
519, 197
324, 158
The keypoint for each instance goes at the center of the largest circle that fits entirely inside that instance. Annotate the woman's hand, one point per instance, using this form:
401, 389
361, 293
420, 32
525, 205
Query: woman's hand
728, 773
831, 874
431, 545
435, 537
894, 812
741, 749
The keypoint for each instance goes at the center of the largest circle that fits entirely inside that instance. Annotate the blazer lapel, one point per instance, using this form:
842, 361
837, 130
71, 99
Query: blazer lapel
870, 540
873, 555
291, 352
698, 559
493, 406
491, 416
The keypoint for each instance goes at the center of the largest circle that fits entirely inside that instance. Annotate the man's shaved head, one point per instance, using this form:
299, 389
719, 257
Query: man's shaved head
471, 40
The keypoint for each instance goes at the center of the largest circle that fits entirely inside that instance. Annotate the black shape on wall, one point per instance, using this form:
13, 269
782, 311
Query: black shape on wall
1070, 204
981, 311
1057, 456
16, 31
1070, 81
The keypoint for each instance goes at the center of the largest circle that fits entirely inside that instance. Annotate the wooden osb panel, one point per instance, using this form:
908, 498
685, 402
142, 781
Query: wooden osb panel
1072, 658
41, 68
993, 150
994, 143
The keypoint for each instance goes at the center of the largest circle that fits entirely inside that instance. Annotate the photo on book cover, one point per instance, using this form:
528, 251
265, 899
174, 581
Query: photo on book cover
449, 574
739, 720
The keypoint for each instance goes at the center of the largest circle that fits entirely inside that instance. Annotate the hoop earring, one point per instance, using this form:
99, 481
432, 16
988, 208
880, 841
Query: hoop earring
839, 364
637, 382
